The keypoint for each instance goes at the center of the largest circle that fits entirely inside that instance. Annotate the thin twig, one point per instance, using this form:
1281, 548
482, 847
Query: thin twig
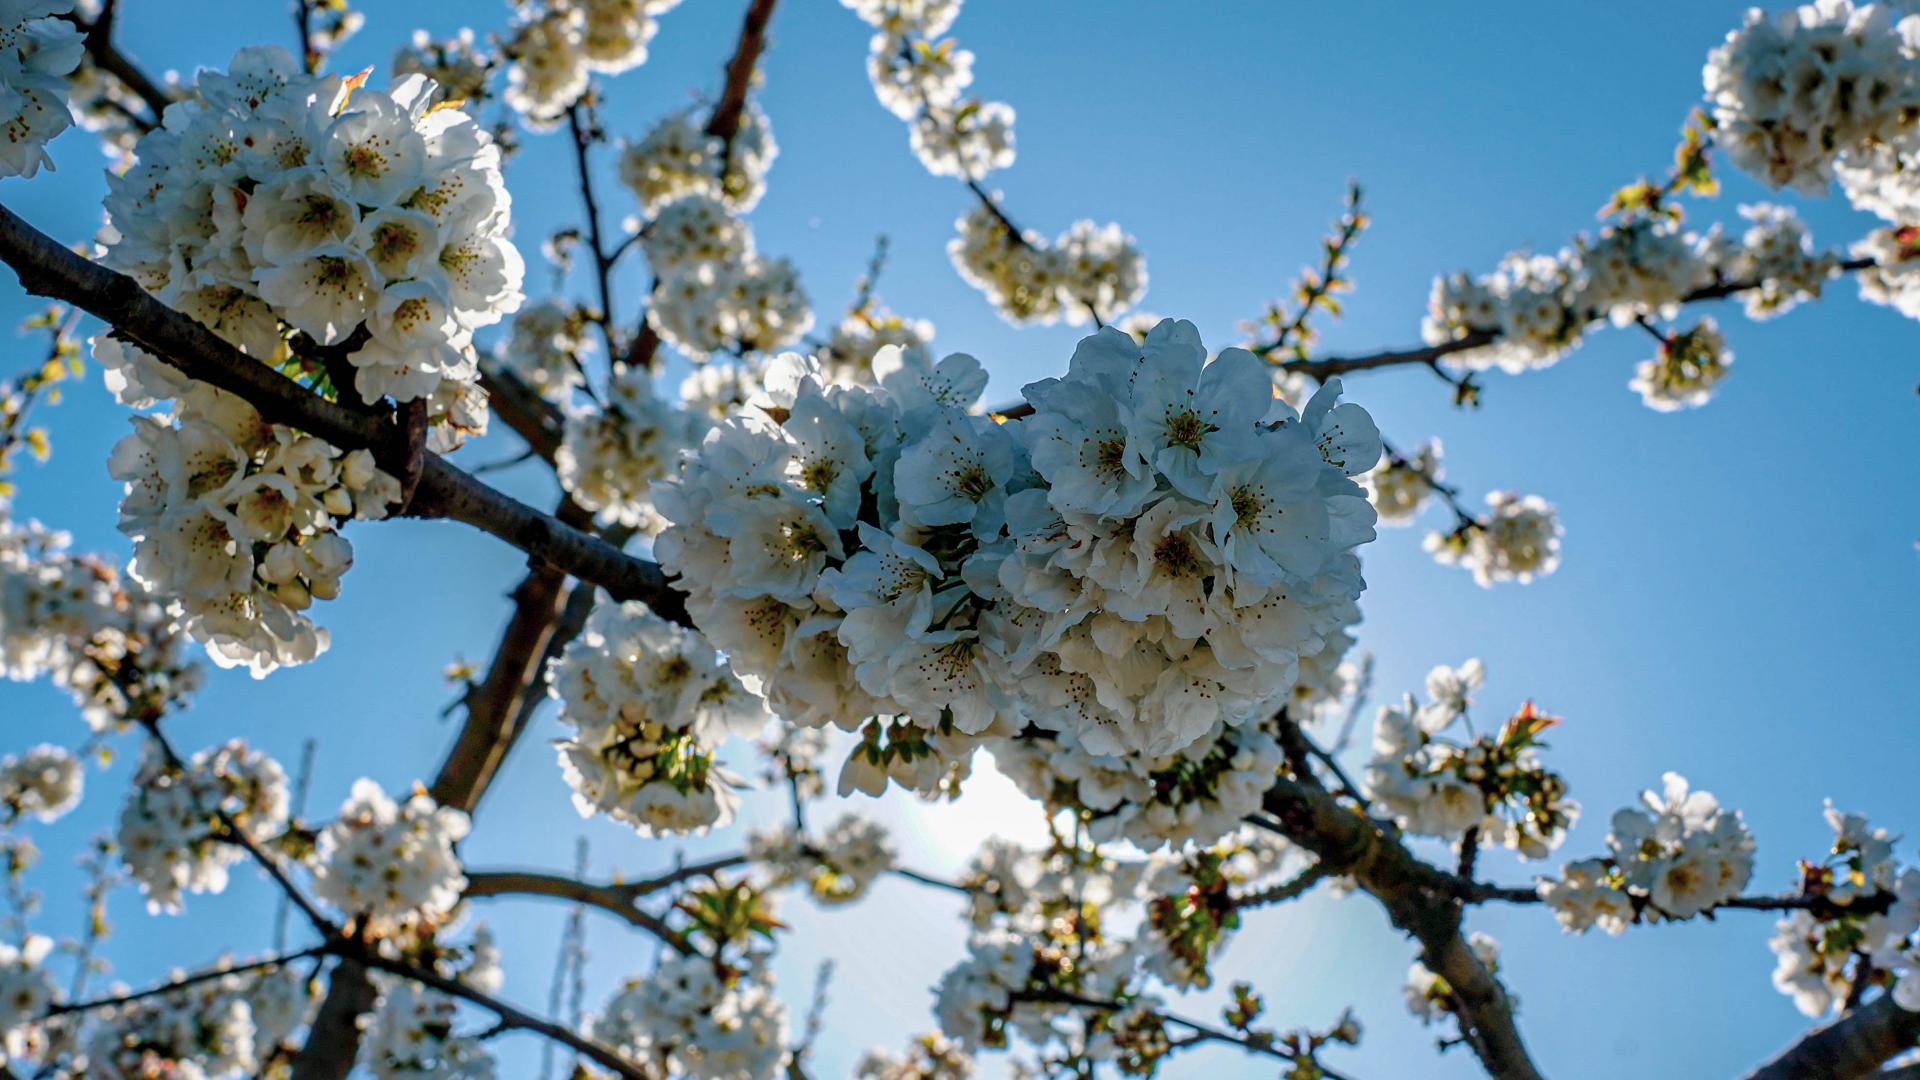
182, 982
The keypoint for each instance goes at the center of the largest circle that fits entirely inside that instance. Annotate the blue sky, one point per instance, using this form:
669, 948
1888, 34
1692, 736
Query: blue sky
1736, 596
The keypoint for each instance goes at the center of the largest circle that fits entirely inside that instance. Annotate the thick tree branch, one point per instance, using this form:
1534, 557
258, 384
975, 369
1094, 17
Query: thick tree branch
724, 122
493, 704
1854, 1046
1418, 899
530, 416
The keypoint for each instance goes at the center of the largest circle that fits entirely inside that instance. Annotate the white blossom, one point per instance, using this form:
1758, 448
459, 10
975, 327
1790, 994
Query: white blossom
391, 864
37, 51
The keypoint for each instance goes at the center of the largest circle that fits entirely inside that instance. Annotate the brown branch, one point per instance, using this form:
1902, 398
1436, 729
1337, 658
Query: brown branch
1854, 1046
1280, 893
1432, 354
1418, 899
336, 1052
724, 122
585, 132
493, 703
1823, 907
616, 900
108, 58
181, 983
333, 1039
531, 416
47, 268
508, 1017
1197, 1031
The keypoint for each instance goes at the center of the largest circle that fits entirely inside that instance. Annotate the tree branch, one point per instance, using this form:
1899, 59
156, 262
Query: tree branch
531, 416
1854, 1046
616, 900
1431, 354
108, 58
724, 122
182, 982
47, 268
585, 132
1418, 899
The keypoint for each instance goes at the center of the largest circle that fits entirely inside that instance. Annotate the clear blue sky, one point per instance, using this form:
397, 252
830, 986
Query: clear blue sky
1737, 592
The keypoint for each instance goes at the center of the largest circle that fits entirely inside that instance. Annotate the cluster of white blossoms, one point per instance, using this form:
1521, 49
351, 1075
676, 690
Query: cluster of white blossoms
1428, 996
547, 347
1192, 902
1138, 566
1536, 308
37, 51
693, 1017
922, 81
610, 455
1517, 539
203, 1030
1043, 922
307, 220
1679, 856
1193, 795
677, 158
170, 834
929, 1057
1793, 92
412, 1035
716, 292
26, 992
457, 67
1400, 485
225, 1028
235, 521
43, 782
558, 45
839, 867
1434, 783
979, 1004
650, 703
846, 358
74, 619
1823, 950
391, 865
1088, 270
1775, 255
1685, 369
1894, 279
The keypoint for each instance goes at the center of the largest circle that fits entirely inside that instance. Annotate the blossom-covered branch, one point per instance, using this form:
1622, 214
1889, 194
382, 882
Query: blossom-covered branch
1332, 366
47, 268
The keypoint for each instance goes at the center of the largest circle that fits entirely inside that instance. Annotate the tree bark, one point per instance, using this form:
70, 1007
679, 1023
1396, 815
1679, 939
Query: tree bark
1854, 1046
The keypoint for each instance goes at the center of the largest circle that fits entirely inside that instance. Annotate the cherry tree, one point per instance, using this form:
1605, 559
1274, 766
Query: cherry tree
1132, 590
